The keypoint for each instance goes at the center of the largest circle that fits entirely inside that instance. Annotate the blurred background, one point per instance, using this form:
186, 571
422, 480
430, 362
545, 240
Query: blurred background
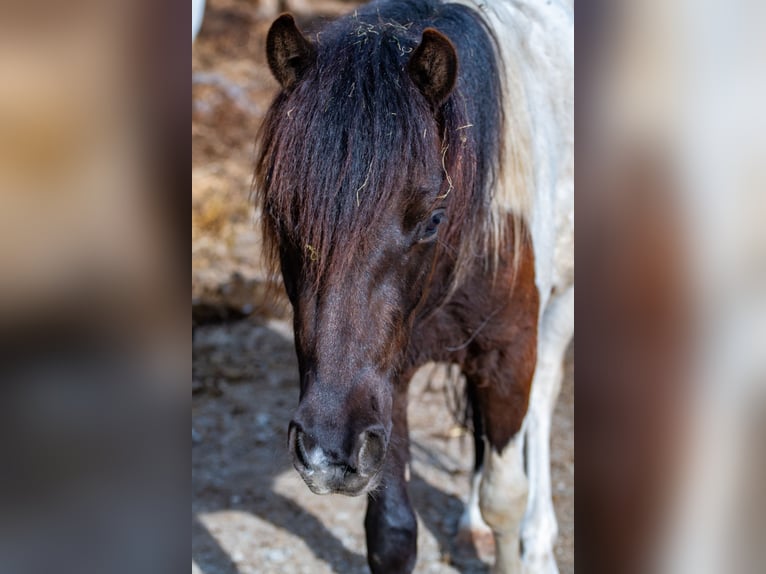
671, 309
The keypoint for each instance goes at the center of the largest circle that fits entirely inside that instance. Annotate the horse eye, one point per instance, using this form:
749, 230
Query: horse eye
430, 226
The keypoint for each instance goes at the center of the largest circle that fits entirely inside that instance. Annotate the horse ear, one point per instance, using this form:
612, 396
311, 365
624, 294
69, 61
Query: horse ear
289, 53
433, 66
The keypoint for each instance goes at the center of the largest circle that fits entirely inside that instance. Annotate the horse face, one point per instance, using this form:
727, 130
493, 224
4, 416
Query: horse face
351, 334
355, 260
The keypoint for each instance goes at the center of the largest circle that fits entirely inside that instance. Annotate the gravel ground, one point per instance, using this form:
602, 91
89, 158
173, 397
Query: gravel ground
252, 512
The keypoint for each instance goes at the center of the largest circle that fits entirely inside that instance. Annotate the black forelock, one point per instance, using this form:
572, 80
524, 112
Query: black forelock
351, 136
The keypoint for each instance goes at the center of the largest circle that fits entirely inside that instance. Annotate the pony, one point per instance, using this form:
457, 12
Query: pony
414, 175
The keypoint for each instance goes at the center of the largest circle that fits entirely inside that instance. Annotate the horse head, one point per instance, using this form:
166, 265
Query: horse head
355, 193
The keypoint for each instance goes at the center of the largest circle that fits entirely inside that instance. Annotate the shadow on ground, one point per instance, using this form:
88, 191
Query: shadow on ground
251, 512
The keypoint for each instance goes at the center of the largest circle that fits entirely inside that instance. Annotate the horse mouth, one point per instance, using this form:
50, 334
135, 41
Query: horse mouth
354, 486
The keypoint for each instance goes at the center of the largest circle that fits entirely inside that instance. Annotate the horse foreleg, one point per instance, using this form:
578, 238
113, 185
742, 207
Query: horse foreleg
503, 500
539, 530
473, 532
390, 523
502, 382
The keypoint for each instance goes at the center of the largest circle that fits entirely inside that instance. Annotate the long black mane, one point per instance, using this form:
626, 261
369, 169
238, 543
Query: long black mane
337, 148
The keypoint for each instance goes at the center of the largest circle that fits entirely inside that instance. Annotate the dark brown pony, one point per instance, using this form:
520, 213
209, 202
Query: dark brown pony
375, 175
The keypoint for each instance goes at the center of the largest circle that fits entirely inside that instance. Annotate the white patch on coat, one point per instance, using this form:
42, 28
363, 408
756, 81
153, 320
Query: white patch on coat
536, 44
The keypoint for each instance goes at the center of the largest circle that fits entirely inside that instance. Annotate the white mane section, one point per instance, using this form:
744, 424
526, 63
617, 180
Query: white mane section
536, 41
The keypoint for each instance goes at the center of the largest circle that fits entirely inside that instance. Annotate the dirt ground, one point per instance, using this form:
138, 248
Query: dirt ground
250, 511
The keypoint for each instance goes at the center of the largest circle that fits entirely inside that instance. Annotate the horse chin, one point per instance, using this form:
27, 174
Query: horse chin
317, 489
345, 489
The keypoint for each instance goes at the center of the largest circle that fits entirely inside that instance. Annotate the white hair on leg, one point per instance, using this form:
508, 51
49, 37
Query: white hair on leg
503, 501
471, 519
539, 529
472, 530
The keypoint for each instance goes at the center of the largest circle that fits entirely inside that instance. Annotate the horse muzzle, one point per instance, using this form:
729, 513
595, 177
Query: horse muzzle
327, 470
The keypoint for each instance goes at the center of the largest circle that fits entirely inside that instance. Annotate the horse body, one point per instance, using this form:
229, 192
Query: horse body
537, 43
415, 177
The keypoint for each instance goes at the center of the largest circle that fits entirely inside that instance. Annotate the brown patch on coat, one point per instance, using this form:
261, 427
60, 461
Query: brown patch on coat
489, 328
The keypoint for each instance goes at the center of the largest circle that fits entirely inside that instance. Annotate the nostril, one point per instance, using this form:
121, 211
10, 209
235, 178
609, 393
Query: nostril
298, 446
376, 433
372, 450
